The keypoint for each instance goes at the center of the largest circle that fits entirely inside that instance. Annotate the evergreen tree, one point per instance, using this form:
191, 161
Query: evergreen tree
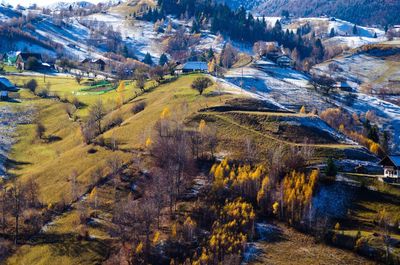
163, 59
210, 54
355, 30
195, 27
375, 36
331, 170
285, 14
332, 33
147, 59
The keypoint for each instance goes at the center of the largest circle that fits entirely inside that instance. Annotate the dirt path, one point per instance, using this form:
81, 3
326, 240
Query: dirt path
285, 246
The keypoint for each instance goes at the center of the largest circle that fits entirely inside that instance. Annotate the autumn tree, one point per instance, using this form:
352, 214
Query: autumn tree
96, 114
17, 207
201, 83
140, 76
229, 56
157, 73
172, 154
39, 130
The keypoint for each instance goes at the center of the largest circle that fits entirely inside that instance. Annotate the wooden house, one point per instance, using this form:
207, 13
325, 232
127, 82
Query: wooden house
94, 64
23, 58
191, 67
391, 167
6, 87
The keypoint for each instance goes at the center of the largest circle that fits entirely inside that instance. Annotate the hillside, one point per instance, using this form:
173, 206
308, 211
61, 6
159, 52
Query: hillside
364, 12
185, 132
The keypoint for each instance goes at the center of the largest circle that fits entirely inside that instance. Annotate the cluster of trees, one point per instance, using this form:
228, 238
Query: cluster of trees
230, 232
242, 26
33, 86
358, 128
289, 199
21, 211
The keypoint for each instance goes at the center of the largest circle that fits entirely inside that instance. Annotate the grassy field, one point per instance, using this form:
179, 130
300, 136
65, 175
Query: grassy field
67, 87
178, 97
61, 153
52, 160
289, 247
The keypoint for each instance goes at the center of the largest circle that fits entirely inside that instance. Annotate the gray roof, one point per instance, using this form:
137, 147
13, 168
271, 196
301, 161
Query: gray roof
395, 159
197, 66
6, 83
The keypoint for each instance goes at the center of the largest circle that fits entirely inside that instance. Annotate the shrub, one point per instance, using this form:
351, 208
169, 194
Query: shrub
40, 129
43, 93
138, 107
115, 120
32, 85
201, 83
75, 101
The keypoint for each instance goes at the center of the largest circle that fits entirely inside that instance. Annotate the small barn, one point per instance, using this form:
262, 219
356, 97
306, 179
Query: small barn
391, 167
28, 61
344, 86
284, 61
6, 87
191, 67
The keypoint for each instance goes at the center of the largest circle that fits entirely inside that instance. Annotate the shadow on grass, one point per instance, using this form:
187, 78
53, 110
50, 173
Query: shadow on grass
269, 233
71, 245
53, 138
11, 100
14, 164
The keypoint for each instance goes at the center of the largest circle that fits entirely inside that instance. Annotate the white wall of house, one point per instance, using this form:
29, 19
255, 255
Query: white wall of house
390, 172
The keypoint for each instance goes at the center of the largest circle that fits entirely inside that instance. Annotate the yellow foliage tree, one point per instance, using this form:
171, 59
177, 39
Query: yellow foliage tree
202, 126
93, 197
374, 148
275, 208
303, 110
121, 87
165, 113
174, 231
211, 66
148, 142
139, 248
156, 237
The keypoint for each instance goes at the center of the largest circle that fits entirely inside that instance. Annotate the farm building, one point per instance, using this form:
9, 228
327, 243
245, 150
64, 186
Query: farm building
94, 64
28, 61
284, 61
391, 167
344, 86
190, 67
5, 87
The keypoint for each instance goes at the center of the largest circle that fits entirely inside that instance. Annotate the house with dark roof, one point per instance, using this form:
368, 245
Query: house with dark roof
284, 61
344, 86
94, 64
6, 87
191, 67
391, 167
28, 61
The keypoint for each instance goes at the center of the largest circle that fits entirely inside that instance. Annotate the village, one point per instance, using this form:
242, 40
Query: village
198, 132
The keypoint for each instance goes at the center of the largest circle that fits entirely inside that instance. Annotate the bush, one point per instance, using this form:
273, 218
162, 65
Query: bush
114, 121
40, 130
201, 83
75, 101
43, 93
32, 85
138, 107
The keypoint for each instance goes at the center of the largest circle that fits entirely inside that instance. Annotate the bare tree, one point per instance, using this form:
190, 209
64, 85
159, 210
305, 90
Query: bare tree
18, 204
96, 114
